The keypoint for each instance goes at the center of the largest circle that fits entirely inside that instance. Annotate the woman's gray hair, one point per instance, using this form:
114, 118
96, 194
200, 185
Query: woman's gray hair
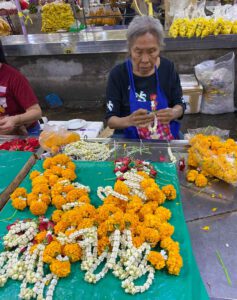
141, 25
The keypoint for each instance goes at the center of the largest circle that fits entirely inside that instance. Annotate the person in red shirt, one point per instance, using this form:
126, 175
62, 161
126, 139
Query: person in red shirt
19, 108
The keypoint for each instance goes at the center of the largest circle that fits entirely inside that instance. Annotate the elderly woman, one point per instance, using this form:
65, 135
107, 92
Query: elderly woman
144, 96
19, 108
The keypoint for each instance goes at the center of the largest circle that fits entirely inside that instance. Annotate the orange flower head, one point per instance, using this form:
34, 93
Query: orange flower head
164, 214
57, 215
60, 268
19, 204
34, 174
192, 175
58, 201
201, 180
73, 251
156, 259
38, 208
169, 191
69, 174
19, 192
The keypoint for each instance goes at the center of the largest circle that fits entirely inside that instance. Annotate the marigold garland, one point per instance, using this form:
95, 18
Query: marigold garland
142, 214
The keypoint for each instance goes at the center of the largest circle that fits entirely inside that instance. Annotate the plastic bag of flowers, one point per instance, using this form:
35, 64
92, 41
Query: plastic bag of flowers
213, 157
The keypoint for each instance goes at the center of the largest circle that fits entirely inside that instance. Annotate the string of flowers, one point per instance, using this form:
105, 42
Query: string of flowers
124, 232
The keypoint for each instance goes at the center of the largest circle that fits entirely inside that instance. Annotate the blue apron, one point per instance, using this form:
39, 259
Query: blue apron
35, 130
131, 132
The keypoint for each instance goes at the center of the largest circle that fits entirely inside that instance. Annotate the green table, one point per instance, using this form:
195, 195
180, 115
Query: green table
14, 165
187, 286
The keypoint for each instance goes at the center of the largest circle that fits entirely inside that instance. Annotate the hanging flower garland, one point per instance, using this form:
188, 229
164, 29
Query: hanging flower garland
123, 232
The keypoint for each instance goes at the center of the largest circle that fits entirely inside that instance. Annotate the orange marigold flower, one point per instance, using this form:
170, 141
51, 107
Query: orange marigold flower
166, 230
69, 174
56, 170
174, 263
60, 268
134, 204
38, 208
75, 194
47, 163
19, 203
53, 179
138, 240
163, 213
201, 180
155, 194
34, 174
121, 188
87, 210
103, 244
192, 175
73, 251
85, 199
41, 189
40, 236
53, 249
48, 173
61, 159
151, 236
169, 191
169, 244
152, 221
86, 223
39, 180
58, 201
19, 192
57, 215
130, 220
143, 174
45, 198
156, 259
149, 182
148, 208
61, 226
71, 165
31, 197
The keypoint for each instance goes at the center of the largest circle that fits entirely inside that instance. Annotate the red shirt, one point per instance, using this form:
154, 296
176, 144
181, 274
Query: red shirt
16, 94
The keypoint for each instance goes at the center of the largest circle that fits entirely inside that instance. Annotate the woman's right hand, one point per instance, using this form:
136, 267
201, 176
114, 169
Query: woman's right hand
140, 118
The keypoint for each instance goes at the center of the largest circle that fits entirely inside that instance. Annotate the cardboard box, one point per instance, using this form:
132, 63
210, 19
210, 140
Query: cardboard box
192, 93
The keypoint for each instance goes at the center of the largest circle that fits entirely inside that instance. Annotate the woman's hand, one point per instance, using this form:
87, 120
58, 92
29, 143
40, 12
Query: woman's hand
140, 118
168, 114
8, 124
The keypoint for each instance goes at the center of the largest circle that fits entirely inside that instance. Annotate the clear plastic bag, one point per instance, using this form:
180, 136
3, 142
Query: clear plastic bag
210, 130
217, 78
52, 138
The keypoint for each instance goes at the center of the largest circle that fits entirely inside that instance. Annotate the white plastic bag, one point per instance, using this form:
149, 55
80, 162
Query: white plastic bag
217, 78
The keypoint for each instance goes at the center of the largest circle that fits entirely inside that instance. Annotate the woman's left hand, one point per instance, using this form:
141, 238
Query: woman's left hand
7, 124
165, 115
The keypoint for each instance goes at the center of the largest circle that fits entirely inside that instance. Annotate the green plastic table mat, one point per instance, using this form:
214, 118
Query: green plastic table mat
11, 163
187, 286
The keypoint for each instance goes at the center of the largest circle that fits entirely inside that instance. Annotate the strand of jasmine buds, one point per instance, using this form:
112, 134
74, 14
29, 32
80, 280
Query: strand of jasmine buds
71, 205
88, 258
108, 190
93, 278
132, 176
132, 184
81, 186
139, 193
40, 285
130, 287
51, 288
115, 242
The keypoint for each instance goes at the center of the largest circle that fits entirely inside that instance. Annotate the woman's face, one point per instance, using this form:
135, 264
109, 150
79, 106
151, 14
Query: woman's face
144, 54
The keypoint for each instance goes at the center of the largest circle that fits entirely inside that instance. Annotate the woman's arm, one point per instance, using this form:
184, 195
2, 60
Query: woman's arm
9, 123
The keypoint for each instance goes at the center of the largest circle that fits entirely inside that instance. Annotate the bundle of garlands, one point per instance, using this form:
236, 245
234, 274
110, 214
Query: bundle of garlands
123, 234
210, 157
201, 27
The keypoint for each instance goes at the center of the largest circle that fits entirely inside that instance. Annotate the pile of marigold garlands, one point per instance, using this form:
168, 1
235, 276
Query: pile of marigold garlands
124, 233
212, 157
